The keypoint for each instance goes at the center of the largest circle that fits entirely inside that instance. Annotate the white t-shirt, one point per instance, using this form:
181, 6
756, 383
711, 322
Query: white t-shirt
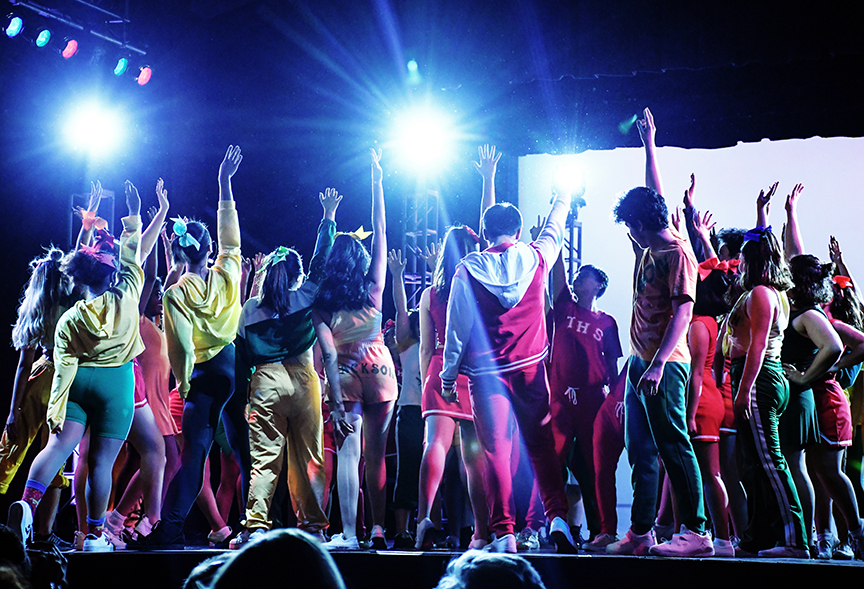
412, 384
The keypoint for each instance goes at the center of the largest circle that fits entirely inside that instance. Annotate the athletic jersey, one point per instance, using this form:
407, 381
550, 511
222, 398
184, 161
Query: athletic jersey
582, 343
798, 350
101, 332
663, 275
201, 316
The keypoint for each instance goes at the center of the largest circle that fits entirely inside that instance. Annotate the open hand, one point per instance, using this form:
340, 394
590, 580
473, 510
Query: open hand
650, 381
95, 196
488, 161
161, 194
647, 130
330, 200
763, 201
792, 198
688, 194
430, 254
834, 250
133, 200
258, 262
536, 229
377, 172
396, 263
231, 162
703, 224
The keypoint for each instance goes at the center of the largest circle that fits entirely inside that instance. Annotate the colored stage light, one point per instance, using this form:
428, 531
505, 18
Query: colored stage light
121, 67
144, 75
425, 138
412, 66
43, 38
94, 130
570, 179
14, 26
70, 48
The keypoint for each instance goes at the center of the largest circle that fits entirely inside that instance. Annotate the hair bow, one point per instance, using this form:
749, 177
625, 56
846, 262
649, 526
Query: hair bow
90, 220
756, 233
842, 281
708, 266
103, 248
359, 235
273, 258
182, 233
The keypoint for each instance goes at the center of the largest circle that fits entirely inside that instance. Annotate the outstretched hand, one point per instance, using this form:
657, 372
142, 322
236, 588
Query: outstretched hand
488, 163
258, 262
133, 200
834, 250
792, 198
688, 194
162, 194
675, 219
647, 130
231, 162
703, 224
95, 196
396, 263
330, 200
536, 229
763, 201
377, 172
430, 254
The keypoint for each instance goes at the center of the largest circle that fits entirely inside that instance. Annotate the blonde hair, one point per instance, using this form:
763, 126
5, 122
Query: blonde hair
40, 306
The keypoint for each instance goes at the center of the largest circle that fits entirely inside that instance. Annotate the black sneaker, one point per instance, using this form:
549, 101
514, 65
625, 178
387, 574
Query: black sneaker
160, 538
52, 538
403, 541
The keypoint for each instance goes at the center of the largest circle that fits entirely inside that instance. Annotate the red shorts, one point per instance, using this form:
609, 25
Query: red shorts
710, 413
833, 412
176, 404
432, 403
140, 387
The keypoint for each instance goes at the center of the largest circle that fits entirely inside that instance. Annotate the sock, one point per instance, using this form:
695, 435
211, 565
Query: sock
33, 492
94, 526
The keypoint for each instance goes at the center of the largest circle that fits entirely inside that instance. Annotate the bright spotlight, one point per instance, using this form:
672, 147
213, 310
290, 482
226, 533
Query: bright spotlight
70, 48
424, 138
570, 179
43, 38
122, 66
94, 130
14, 26
144, 75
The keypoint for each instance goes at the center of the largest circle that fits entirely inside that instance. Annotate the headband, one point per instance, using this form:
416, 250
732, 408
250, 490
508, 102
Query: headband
708, 266
842, 281
182, 233
756, 233
359, 235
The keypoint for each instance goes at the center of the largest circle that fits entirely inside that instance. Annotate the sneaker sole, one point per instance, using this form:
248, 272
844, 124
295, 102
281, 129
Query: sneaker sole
700, 554
562, 544
16, 522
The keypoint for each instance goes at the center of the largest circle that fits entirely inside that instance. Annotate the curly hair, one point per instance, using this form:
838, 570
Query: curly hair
280, 279
811, 281
87, 270
733, 239
764, 264
479, 570
345, 284
190, 254
40, 306
642, 205
458, 243
847, 307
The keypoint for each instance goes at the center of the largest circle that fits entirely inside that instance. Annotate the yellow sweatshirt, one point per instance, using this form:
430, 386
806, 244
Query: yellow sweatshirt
201, 317
102, 331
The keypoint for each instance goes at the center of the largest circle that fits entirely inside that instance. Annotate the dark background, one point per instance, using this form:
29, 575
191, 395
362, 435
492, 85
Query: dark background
305, 88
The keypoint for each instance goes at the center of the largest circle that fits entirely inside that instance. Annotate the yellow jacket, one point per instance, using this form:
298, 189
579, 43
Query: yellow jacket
201, 317
102, 331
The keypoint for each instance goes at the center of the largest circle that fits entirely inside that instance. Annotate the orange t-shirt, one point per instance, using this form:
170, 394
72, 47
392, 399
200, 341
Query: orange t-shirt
663, 274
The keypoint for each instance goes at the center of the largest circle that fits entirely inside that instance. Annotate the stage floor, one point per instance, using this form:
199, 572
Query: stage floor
421, 570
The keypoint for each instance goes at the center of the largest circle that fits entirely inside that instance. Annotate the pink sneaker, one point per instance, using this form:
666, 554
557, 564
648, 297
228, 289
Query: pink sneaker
685, 544
633, 544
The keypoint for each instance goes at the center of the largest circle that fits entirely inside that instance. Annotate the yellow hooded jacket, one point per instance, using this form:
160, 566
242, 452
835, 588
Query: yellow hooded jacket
102, 331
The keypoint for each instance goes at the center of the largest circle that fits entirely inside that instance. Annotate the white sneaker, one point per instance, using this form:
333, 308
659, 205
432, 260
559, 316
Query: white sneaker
340, 542
506, 543
245, 538
632, 544
825, 546
219, 536
528, 539
559, 531
425, 526
600, 542
785, 552
20, 520
685, 544
143, 527
97, 543
723, 548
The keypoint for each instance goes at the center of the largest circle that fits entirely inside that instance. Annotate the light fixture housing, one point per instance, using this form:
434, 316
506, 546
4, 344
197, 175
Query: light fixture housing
14, 25
69, 47
144, 75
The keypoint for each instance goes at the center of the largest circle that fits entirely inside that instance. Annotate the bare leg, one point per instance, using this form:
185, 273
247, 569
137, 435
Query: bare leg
831, 483
103, 453
708, 456
172, 461
804, 485
732, 481
347, 470
148, 442
79, 482
439, 436
228, 485
206, 502
376, 425
475, 468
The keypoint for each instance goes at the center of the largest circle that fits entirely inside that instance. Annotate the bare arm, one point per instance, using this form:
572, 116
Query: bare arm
793, 243
92, 208
227, 169
378, 267
647, 132
682, 313
330, 358
702, 225
853, 340
761, 306
151, 233
487, 167
400, 299
763, 205
559, 281
22, 374
151, 269
427, 334
818, 329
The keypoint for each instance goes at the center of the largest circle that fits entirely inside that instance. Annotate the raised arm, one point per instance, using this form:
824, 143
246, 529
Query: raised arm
763, 205
702, 226
689, 214
794, 244
227, 169
151, 270
487, 167
88, 215
400, 299
151, 233
378, 267
647, 132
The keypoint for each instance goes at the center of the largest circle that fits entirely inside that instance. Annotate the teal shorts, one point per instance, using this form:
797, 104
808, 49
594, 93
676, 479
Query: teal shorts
103, 399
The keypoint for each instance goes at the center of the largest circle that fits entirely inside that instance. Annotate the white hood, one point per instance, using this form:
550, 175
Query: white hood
507, 274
